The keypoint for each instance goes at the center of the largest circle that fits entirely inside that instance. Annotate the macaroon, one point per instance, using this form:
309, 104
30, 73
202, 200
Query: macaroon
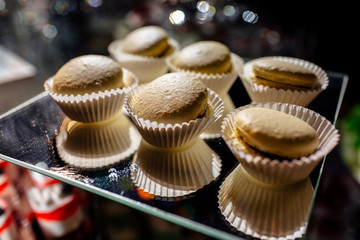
173, 98
275, 133
281, 74
209, 57
90, 88
283, 79
144, 52
148, 41
88, 74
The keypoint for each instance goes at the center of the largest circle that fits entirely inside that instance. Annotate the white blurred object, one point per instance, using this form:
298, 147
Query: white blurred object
13, 67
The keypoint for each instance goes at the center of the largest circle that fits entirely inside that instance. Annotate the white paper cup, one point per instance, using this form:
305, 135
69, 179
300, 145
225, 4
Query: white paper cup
173, 135
282, 172
220, 83
96, 106
214, 130
174, 172
145, 68
97, 145
265, 211
262, 93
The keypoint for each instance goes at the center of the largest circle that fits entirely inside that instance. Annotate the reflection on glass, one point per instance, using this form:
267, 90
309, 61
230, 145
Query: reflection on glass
174, 172
262, 210
98, 144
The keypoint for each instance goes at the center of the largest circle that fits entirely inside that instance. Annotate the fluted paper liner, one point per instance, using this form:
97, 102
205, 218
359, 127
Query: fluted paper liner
261, 93
93, 107
220, 83
169, 135
97, 145
265, 211
145, 68
214, 130
174, 172
274, 171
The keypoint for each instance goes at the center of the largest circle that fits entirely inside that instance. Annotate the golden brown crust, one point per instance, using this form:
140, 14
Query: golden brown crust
276, 133
148, 41
172, 98
87, 74
205, 57
283, 73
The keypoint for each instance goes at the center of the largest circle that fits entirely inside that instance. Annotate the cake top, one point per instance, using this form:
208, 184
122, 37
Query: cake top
87, 74
172, 98
284, 72
202, 53
276, 133
150, 41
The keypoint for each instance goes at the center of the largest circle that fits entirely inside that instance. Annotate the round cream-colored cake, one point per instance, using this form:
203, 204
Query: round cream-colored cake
275, 133
281, 74
148, 41
208, 57
172, 98
88, 74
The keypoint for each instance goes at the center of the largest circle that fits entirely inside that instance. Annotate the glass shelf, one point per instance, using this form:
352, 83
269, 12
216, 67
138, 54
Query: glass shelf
27, 136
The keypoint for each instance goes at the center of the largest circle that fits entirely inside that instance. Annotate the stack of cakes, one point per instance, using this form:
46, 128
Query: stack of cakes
90, 90
277, 145
170, 113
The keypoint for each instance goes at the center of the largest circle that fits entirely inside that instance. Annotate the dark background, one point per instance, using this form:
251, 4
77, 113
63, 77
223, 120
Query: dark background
324, 33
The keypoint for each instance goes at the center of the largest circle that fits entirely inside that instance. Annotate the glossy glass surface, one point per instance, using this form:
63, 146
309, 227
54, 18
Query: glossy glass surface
27, 137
